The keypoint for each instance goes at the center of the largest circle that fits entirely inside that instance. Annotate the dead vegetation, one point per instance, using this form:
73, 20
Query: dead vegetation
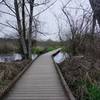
80, 73
9, 70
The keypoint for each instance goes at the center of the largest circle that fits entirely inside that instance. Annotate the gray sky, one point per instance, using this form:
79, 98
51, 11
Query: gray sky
48, 21
48, 18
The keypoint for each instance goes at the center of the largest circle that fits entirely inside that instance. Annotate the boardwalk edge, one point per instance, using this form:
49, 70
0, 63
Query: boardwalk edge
65, 86
13, 82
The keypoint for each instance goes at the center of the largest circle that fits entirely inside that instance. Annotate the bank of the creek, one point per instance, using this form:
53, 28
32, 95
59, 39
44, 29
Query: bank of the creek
81, 74
10, 66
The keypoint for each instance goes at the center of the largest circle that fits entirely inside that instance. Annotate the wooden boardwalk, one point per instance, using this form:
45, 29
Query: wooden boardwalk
39, 82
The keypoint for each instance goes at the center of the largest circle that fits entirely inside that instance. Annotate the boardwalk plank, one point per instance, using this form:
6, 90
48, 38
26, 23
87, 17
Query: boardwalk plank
40, 82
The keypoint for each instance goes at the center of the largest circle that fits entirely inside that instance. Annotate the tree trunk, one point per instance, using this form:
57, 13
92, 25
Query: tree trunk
98, 18
30, 30
23, 25
93, 36
23, 18
95, 5
23, 45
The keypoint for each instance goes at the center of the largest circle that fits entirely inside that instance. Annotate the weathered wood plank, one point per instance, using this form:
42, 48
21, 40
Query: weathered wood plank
40, 82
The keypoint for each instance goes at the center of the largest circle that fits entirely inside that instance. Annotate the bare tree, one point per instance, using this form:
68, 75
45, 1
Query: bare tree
22, 10
78, 26
20, 31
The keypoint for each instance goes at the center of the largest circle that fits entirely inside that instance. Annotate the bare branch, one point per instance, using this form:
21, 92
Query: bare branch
1, 1
7, 13
8, 25
10, 8
45, 9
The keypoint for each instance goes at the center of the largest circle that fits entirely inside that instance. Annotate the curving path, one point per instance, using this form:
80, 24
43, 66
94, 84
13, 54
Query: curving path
39, 82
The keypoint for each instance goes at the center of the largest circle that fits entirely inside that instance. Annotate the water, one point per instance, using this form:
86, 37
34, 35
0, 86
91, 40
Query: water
60, 57
13, 57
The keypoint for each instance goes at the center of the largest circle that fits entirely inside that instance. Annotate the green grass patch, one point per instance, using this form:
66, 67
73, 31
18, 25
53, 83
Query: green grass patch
90, 91
50, 49
38, 50
41, 50
93, 92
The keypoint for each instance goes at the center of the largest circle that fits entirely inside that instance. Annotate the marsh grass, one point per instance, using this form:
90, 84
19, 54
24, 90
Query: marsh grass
4, 82
38, 50
88, 91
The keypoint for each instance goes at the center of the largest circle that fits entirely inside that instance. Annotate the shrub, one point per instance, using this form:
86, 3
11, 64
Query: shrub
50, 49
89, 91
38, 50
67, 50
93, 92
8, 48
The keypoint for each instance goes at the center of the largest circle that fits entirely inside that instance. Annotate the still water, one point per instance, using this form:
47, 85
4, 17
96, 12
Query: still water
13, 57
60, 57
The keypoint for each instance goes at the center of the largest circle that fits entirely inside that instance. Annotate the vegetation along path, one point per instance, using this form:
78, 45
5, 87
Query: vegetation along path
40, 82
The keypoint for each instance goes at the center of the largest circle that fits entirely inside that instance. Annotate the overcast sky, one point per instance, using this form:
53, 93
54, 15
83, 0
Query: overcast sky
48, 20
48, 17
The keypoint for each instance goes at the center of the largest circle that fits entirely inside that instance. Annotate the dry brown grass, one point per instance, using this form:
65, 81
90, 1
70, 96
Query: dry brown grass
78, 71
9, 70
